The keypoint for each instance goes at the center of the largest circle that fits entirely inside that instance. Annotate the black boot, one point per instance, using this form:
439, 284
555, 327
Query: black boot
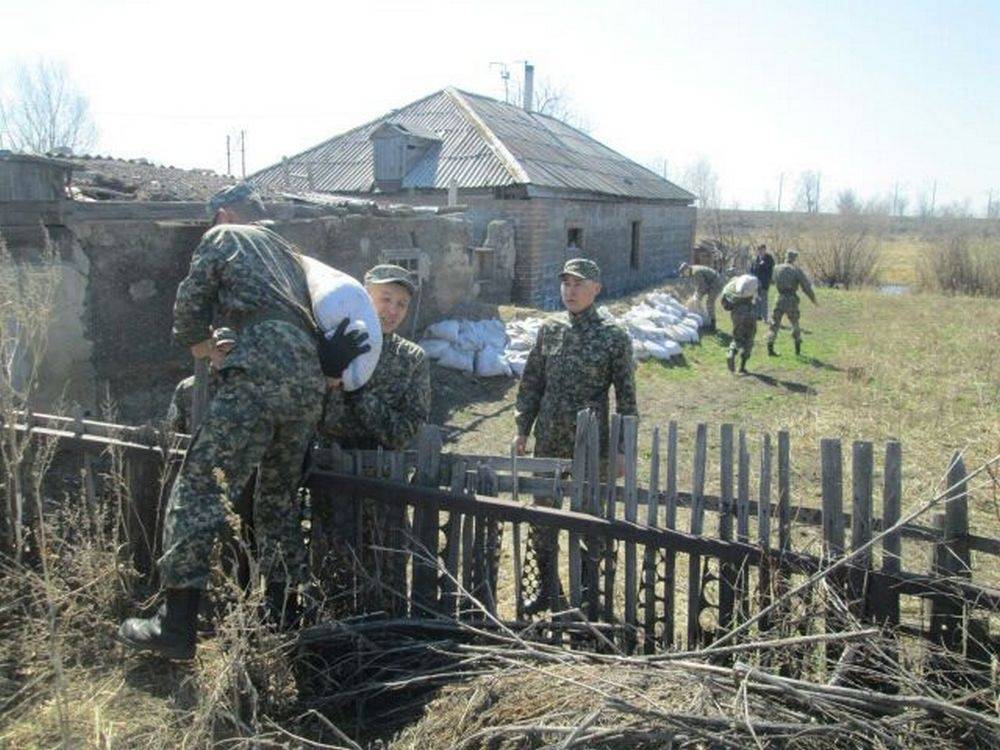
743, 363
731, 361
798, 347
770, 349
171, 632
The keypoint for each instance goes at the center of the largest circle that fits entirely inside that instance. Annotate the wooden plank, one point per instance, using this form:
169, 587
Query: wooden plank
669, 557
397, 540
764, 529
630, 431
143, 475
592, 504
427, 522
556, 602
831, 467
468, 543
862, 477
651, 556
610, 507
956, 518
727, 568
892, 495
579, 476
784, 506
516, 542
743, 508
453, 547
697, 528
486, 541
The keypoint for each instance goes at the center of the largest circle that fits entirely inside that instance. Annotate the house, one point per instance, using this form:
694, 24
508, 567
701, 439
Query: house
564, 193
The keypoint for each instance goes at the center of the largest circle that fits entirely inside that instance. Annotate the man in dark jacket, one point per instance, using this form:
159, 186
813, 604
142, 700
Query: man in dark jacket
763, 268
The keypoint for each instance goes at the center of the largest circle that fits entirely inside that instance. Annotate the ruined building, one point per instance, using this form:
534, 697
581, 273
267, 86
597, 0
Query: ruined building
564, 192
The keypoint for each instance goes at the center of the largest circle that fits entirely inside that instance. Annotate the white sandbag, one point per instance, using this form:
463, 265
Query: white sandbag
456, 359
444, 329
490, 363
433, 348
658, 350
692, 319
335, 296
639, 350
743, 286
517, 367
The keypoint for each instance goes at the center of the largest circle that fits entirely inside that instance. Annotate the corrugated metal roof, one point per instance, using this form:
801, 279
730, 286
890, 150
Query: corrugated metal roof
483, 143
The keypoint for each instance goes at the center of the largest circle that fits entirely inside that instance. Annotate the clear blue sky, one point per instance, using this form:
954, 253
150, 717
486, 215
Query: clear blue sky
868, 93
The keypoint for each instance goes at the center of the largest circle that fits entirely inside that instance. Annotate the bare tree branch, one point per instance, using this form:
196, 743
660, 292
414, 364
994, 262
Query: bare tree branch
45, 111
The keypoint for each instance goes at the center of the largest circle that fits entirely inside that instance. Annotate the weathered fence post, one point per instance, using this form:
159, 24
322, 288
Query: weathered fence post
592, 505
670, 522
610, 510
630, 428
831, 464
892, 494
453, 544
651, 554
697, 528
784, 506
951, 557
516, 541
743, 527
764, 529
862, 469
427, 523
579, 478
727, 566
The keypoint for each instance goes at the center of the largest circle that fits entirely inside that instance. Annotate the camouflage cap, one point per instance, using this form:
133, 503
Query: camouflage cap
791, 255
582, 268
388, 273
234, 195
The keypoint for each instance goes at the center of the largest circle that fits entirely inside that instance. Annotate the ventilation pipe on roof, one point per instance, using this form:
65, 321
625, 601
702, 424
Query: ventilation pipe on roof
529, 86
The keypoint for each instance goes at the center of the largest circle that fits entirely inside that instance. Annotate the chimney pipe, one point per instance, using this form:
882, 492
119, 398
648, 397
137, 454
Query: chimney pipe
529, 86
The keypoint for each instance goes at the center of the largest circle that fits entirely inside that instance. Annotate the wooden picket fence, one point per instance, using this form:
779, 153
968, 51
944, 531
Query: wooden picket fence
428, 533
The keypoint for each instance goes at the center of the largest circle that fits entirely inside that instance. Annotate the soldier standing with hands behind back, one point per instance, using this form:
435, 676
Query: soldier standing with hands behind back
789, 278
576, 359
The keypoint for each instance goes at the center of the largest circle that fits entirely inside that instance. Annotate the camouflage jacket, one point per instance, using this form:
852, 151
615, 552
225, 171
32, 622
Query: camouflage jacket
573, 364
706, 280
248, 277
389, 409
181, 405
789, 278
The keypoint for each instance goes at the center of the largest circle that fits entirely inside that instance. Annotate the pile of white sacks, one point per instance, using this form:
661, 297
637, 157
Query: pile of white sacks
657, 325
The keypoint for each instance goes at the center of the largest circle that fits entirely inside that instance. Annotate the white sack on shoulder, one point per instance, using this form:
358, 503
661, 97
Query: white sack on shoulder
335, 295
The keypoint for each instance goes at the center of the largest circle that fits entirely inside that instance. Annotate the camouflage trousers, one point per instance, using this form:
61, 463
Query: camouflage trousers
250, 422
787, 304
744, 329
708, 300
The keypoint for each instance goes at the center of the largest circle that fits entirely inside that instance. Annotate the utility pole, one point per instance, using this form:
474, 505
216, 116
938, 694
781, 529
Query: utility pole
989, 205
933, 197
243, 154
781, 185
895, 199
819, 177
229, 165
505, 77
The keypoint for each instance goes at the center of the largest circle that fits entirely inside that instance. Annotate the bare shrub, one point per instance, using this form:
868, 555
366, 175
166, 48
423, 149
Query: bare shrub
960, 262
846, 253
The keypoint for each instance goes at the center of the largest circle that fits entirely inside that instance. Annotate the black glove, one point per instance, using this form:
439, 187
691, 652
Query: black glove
340, 348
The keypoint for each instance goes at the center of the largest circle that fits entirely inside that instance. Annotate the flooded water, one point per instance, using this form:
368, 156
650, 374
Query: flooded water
894, 288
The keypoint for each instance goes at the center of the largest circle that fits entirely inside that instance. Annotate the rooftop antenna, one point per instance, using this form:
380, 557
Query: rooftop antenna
505, 77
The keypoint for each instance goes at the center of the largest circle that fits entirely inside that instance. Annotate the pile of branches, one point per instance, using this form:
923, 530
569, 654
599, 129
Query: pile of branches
497, 688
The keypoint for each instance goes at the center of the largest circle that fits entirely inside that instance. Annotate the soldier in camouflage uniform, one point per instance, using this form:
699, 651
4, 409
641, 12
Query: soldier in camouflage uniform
388, 411
788, 279
182, 404
264, 412
707, 287
743, 311
576, 359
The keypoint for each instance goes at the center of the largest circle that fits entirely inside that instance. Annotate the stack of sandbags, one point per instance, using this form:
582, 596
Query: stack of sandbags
470, 346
